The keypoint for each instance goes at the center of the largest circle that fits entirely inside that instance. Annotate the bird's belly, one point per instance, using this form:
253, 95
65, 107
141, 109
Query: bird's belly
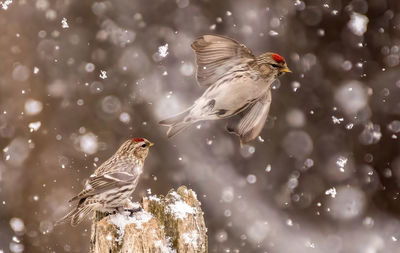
225, 99
235, 102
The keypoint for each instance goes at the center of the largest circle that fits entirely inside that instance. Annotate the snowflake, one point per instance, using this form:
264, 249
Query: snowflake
103, 74
341, 161
64, 23
5, 4
34, 126
331, 191
163, 50
358, 23
336, 120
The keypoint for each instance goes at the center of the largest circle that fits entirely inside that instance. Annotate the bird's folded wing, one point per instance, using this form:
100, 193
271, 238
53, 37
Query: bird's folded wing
252, 120
105, 182
215, 55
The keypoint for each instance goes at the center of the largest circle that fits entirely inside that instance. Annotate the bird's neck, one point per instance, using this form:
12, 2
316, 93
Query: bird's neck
263, 68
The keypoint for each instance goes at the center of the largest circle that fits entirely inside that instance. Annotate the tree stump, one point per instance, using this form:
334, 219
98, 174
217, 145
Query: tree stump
173, 223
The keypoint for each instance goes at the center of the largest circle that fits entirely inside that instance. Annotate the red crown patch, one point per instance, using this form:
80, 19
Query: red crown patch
137, 139
277, 58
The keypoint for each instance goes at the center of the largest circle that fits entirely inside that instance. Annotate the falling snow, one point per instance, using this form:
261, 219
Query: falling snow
17, 225
341, 161
74, 86
34, 126
103, 74
5, 4
64, 23
273, 33
331, 192
163, 50
33, 107
88, 143
358, 23
337, 120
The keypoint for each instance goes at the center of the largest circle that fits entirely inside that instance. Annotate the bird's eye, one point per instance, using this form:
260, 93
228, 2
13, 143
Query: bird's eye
144, 145
275, 65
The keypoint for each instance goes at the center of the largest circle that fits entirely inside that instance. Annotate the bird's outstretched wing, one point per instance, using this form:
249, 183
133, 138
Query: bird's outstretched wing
252, 120
215, 55
102, 183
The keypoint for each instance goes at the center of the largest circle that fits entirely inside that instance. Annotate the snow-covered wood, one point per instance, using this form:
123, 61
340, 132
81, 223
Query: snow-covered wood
173, 223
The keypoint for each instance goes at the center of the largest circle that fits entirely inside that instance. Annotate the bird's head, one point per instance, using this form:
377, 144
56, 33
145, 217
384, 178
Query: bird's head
272, 63
137, 148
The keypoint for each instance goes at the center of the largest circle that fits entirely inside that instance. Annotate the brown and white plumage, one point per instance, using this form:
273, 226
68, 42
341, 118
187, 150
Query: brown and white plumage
238, 82
250, 122
111, 185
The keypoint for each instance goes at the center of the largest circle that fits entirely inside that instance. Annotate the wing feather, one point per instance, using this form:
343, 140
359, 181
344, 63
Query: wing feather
105, 182
215, 55
252, 120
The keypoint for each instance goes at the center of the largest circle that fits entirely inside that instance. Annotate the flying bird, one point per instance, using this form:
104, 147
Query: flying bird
110, 186
239, 83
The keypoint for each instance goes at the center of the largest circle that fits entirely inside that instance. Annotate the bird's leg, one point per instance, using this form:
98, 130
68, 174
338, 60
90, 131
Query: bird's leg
120, 210
110, 212
131, 207
132, 211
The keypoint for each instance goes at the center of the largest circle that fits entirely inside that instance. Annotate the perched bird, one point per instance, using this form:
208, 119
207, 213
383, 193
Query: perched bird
238, 82
110, 186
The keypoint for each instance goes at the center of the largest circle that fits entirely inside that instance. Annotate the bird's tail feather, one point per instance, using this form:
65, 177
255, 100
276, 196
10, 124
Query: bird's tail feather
177, 123
66, 218
80, 215
175, 129
175, 119
75, 216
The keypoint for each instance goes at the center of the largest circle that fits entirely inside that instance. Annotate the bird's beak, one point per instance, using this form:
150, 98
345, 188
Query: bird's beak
151, 144
286, 69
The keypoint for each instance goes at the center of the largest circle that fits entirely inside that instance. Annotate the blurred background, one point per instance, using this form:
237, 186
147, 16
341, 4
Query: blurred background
77, 78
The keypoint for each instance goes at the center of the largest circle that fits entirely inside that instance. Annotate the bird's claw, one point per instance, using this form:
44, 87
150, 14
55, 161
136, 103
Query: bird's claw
132, 211
110, 213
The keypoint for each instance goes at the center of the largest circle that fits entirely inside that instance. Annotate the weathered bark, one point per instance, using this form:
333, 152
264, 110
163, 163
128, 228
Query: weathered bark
173, 223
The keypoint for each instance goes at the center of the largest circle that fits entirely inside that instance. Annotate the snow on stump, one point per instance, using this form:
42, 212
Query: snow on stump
169, 224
